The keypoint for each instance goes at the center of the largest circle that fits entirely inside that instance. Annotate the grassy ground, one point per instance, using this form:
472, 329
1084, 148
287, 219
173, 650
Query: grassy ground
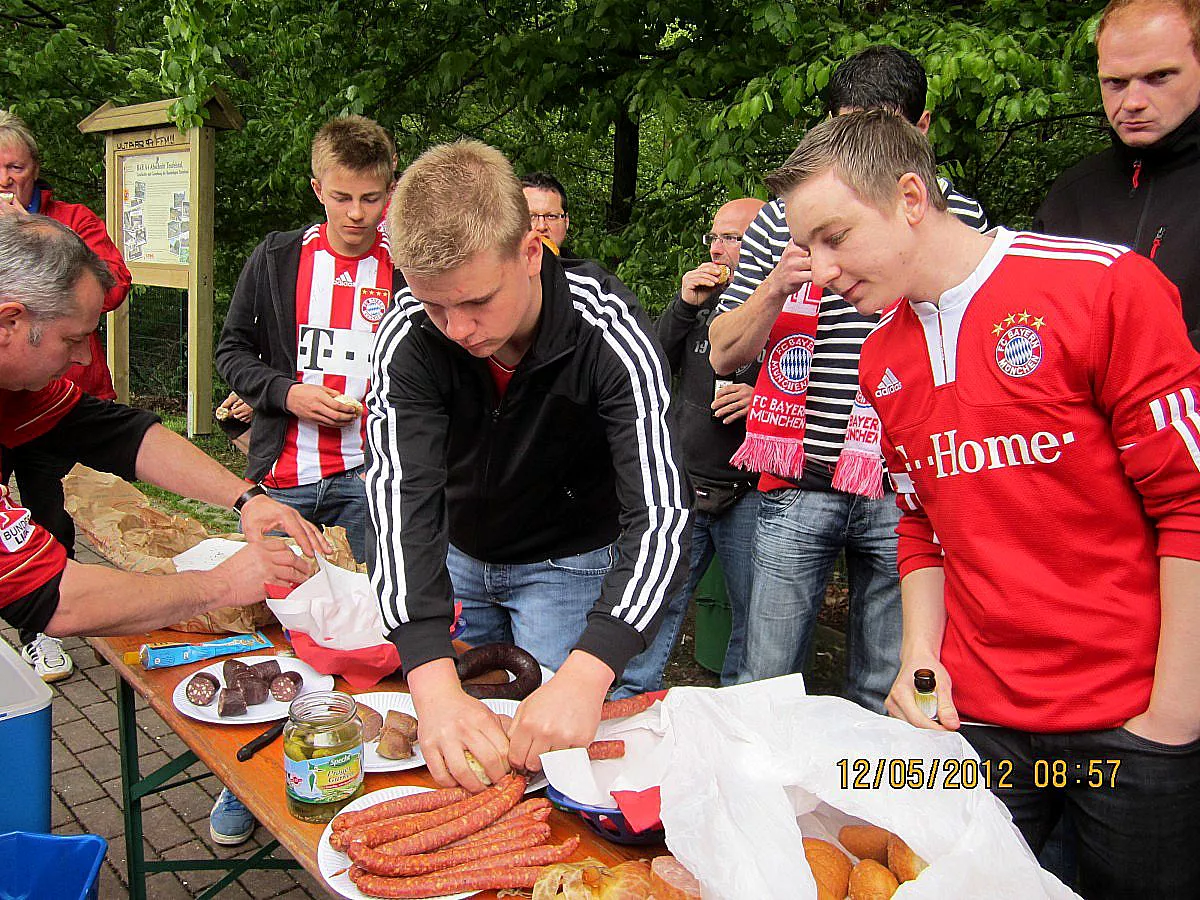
216, 519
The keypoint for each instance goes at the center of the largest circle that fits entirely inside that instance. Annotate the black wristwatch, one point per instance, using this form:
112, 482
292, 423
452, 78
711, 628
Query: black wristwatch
255, 490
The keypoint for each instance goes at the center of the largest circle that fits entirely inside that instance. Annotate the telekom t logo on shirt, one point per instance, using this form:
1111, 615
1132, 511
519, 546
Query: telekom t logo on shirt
952, 456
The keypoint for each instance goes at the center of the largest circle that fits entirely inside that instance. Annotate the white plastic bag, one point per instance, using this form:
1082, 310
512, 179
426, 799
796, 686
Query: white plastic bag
755, 768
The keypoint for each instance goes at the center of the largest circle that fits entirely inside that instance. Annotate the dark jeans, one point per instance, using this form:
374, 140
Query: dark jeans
1137, 823
729, 536
39, 481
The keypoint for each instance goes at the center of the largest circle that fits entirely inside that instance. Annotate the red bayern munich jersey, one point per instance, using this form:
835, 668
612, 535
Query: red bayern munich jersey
339, 303
29, 556
1041, 427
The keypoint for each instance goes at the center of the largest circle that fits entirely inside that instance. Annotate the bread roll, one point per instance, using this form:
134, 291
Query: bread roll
905, 864
865, 841
477, 767
725, 275
870, 880
350, 402
830, 868
670, 880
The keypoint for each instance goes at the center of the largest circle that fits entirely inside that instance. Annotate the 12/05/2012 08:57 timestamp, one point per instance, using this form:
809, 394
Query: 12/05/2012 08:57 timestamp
968, 774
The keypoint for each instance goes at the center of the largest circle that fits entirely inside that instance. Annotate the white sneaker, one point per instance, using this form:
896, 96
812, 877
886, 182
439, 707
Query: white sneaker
48, 658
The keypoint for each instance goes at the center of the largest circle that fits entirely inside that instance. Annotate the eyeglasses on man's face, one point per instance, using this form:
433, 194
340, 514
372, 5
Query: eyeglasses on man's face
727, 238
549, 218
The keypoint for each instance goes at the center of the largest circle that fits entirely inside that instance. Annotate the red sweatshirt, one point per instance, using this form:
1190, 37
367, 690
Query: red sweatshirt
1042, 430
94, 378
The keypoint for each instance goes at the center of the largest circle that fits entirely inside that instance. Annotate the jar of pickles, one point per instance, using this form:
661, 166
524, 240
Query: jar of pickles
322, 755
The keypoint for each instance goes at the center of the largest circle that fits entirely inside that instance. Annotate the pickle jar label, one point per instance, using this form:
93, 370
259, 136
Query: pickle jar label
326, 778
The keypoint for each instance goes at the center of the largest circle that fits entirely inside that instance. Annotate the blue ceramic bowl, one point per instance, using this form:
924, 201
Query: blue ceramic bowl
610, 824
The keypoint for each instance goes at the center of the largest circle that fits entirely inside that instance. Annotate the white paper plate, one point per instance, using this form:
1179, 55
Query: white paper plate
335, 865
268, 711
381, 702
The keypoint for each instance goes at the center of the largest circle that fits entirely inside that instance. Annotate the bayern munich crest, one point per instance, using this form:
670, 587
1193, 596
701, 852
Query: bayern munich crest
372, 302
790, 362
1019, 349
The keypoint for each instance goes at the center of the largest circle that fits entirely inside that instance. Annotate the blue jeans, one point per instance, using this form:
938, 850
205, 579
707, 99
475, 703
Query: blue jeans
337, 500
800, 535
730, 537
541, 607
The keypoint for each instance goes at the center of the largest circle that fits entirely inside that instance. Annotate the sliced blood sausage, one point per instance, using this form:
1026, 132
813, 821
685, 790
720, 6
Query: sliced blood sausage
527, 674
286, 685
255, 689
231, 702
266, 670
202, 689
230, 670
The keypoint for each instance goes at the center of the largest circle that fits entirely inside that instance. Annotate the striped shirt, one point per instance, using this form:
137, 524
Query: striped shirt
833, 380
339, 303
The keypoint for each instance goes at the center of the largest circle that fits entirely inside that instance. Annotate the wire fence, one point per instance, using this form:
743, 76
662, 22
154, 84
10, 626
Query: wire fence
158, 347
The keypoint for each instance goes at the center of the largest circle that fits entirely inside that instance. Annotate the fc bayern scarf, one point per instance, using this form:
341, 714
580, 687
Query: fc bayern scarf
777, 419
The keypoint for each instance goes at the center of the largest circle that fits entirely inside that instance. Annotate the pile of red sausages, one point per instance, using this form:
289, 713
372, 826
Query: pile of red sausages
448, 841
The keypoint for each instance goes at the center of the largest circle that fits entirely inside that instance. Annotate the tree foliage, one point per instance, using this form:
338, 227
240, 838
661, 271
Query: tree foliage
653, 112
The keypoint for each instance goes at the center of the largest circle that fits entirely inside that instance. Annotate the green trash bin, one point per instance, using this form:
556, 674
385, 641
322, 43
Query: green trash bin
714, 618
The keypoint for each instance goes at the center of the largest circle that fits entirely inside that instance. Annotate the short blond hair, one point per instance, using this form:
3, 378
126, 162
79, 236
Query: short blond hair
1189, 9
869, 150
355, 143
13, 127
454, 201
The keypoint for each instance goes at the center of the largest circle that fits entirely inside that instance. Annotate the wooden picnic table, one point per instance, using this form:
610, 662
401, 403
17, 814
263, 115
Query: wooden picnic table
258, 782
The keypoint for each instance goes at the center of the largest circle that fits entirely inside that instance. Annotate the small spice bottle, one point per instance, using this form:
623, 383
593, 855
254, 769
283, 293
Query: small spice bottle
925, 692
322, 755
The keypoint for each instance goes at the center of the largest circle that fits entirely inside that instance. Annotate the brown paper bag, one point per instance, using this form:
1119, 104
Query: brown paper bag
126, 530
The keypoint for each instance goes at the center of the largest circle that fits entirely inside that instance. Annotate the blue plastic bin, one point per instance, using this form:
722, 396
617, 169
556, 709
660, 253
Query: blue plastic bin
50, 866
24, 745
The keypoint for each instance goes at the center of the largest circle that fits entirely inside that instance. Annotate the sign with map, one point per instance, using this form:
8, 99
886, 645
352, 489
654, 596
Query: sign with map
156, 208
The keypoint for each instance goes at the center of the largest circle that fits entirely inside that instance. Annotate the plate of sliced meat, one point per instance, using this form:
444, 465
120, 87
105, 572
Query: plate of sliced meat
389, 731
247, 690
408, 841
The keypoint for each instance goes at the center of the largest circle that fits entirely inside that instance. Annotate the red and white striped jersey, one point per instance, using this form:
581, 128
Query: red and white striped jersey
339, 303
1042, 432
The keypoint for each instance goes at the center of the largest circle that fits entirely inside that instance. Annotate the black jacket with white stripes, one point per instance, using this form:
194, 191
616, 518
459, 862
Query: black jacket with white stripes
575, 456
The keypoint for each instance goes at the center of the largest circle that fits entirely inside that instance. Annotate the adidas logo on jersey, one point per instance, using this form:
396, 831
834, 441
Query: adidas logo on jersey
344, 280
889, 385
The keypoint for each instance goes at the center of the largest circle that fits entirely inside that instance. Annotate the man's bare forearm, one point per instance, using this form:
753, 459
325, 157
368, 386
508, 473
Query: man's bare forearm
738, 336
96, 600
1175, 697
172, 462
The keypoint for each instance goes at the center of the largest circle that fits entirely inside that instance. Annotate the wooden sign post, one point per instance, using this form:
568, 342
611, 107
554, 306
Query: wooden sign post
159, 211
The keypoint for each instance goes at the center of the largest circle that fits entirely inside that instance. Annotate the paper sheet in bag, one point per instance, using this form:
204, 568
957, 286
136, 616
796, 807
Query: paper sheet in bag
335, 608
592, 782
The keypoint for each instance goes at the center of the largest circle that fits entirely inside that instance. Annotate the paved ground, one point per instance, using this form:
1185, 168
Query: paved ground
86, 790
86, 779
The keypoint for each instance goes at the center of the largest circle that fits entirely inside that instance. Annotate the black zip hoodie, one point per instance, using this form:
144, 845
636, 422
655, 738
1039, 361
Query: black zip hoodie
1144, 198
575, 455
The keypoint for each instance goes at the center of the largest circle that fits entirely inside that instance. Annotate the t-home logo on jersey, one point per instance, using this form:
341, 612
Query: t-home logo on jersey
952, 456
